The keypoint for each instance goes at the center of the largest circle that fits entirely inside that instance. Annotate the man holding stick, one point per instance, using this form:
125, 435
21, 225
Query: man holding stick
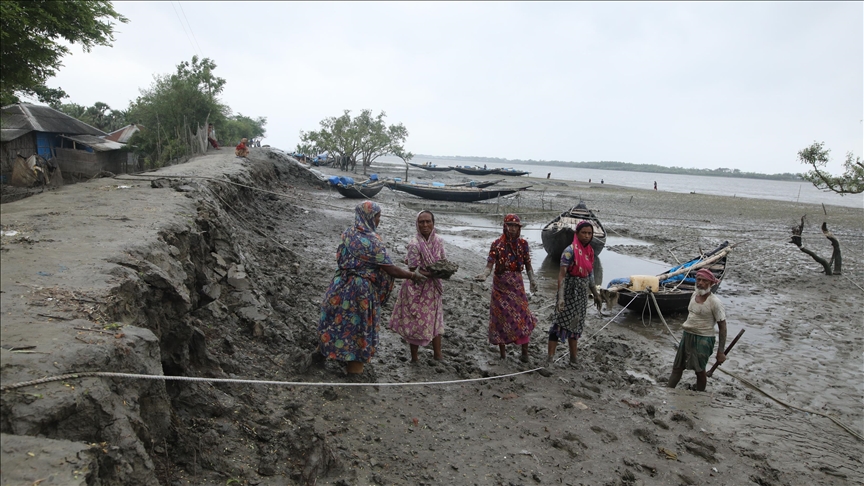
697, 344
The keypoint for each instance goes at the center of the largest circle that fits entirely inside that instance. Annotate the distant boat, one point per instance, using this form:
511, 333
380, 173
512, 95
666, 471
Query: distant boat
558, 234
453, 194
676, 284
512, 172
480, 184
361, 190
474, 170
431, 167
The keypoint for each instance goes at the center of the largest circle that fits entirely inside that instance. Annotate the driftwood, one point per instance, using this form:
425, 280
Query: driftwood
830, 267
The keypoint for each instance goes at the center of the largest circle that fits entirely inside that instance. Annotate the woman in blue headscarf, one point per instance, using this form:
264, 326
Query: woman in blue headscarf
348, 326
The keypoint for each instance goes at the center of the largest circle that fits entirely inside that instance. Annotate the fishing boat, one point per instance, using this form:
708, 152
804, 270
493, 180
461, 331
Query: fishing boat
464, 169
432, 167
512, 172
453, 194
676, 285
361, 190
558, 234
480, 184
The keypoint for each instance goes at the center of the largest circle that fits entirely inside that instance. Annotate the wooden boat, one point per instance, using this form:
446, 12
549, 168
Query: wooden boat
435, 168
474, 170
512, 172
480, 184
361, 190
558, 234
676, 284
453, 194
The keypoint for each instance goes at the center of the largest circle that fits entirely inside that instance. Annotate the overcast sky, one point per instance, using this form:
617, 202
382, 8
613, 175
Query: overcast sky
740, 84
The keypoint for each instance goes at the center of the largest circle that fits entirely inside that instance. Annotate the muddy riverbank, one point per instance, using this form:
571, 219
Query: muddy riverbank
215, 269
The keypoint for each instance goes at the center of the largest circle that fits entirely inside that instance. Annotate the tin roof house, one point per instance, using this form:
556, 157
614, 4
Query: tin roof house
80, 150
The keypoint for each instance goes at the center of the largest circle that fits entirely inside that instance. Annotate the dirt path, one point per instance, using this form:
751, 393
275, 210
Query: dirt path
211, 279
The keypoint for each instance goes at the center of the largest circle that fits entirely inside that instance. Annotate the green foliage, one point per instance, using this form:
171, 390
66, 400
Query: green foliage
817, 156
239, 126
173, 108
364, 137
100, 115
30, 41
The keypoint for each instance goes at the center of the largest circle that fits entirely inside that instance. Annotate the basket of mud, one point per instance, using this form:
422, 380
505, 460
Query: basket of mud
443, 269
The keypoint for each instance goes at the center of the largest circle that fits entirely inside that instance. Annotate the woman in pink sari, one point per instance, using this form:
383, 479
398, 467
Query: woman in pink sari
418, 315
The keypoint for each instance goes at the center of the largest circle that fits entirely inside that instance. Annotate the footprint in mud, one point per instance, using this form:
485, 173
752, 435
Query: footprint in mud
699, 448
604, 434
683, 418
646, 435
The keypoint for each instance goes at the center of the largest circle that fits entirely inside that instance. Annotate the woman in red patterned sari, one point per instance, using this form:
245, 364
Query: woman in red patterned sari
510, 320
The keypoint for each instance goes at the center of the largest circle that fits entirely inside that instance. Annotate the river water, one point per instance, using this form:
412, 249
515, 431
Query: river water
726, 186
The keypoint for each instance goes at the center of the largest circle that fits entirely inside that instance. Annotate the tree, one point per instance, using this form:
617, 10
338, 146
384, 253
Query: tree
100, 115
239, 126
830, 267
365, 136
817, 156
30, 42
174, 108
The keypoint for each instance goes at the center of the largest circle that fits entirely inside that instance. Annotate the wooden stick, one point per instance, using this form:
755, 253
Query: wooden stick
728, 348
93, 330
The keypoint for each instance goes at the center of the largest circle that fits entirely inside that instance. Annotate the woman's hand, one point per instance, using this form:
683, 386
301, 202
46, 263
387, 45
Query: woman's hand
418, 277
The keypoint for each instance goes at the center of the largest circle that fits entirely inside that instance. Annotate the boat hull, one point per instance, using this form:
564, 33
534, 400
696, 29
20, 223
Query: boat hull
430, 168
471, 171
670, 299
558, 234
359, 192
454, 194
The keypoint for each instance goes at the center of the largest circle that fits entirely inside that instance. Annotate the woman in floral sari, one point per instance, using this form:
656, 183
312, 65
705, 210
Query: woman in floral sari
348, 326
418, 315
575, 278
510, 320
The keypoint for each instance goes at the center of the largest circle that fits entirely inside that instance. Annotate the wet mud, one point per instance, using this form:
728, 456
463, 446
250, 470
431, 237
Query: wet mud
219, 269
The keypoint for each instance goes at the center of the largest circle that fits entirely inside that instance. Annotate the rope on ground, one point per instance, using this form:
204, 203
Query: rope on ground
657, 306
756, 387
109, 374
793, 407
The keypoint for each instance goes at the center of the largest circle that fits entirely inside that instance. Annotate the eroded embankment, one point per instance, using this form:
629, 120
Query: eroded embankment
210, 298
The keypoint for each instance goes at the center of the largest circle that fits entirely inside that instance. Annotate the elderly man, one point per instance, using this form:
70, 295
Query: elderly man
698, 342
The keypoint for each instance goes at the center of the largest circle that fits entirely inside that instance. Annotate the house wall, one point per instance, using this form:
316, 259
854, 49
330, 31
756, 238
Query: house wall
25, 145
77, 164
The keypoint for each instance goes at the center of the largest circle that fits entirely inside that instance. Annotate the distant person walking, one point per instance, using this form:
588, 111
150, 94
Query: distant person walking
510, 319
655, 185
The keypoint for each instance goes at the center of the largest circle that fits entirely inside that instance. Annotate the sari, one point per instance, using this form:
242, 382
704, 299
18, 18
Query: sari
349, 320
569, 323
418, 315
510, 319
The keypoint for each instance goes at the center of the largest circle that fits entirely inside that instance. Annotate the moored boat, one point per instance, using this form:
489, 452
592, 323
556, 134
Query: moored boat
464, 169
453, 194
432, 167
558, 234
512, 172
364, 190
676, 285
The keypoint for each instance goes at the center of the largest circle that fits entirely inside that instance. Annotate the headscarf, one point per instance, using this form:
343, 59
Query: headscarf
510, 253
583, 255
707, 275
361, 240
431, 250
512, 218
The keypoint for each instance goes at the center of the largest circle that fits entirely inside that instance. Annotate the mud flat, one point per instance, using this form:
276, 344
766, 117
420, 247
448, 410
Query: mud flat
215, 269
